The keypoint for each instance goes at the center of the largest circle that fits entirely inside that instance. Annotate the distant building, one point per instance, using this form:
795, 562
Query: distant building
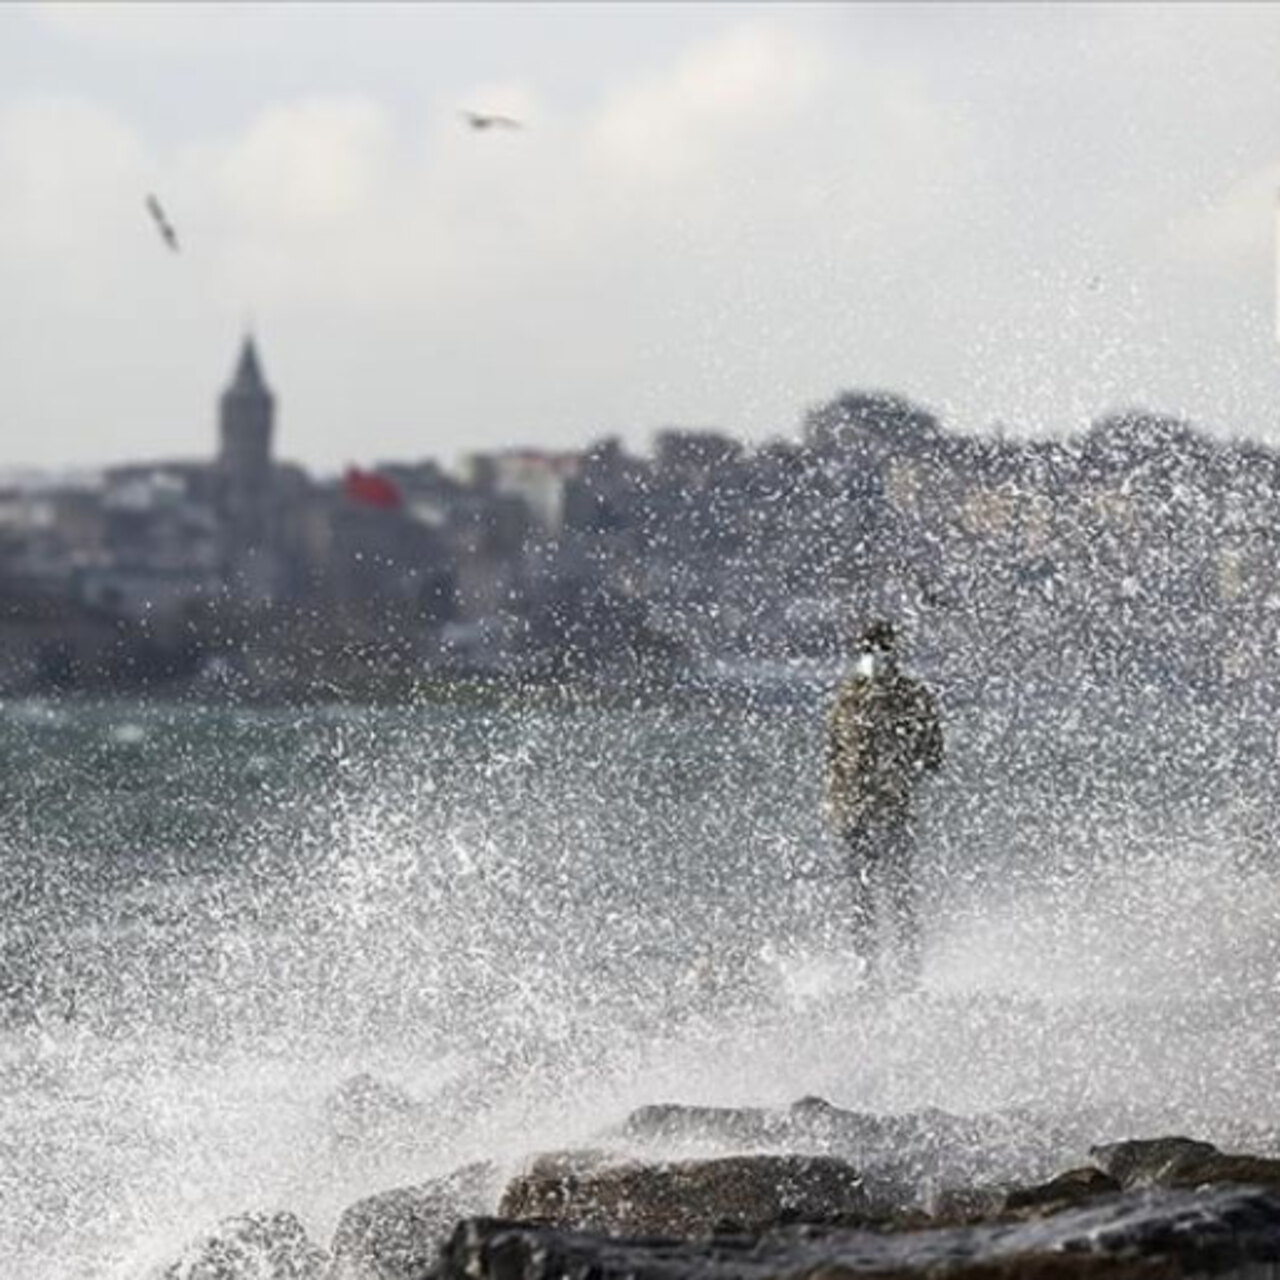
871, 425
694, 455
539, 479
246, 422
160, 540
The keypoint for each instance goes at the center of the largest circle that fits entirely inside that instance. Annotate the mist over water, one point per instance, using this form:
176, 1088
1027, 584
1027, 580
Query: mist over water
531, 919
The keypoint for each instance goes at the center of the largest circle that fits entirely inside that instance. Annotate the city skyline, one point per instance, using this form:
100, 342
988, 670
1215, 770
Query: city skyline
715, 217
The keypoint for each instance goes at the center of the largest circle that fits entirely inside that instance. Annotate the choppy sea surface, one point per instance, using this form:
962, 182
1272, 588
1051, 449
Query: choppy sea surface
531, 919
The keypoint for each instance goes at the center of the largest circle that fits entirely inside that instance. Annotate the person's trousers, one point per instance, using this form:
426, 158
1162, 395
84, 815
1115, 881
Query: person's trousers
884, 922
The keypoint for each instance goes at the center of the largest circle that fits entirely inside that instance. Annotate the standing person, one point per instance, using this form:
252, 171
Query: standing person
883, 737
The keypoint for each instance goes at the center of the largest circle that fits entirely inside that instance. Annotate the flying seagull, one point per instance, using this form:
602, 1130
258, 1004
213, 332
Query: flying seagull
163, 225
486, 120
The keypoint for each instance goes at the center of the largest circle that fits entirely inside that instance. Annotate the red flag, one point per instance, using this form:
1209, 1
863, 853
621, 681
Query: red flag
369, 489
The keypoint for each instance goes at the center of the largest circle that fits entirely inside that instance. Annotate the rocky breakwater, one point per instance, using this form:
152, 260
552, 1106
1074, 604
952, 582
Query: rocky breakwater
1151, 1234
811, 1193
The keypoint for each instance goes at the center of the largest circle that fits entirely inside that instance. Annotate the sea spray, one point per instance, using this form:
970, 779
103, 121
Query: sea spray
528, 921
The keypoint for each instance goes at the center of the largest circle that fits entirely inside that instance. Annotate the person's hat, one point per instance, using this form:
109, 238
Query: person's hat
880, 636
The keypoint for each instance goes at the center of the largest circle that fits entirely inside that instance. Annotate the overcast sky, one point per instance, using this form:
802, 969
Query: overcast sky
716, 216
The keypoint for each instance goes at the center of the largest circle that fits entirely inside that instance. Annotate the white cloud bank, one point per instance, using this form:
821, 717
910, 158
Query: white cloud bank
774, 212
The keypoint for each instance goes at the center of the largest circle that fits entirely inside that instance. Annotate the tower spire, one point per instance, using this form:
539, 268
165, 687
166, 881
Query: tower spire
246, 418
248, 379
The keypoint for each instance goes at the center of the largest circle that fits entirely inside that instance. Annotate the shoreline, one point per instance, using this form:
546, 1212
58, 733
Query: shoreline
763, 1194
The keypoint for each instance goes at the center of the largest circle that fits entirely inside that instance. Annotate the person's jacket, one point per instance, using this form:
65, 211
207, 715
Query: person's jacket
883, 735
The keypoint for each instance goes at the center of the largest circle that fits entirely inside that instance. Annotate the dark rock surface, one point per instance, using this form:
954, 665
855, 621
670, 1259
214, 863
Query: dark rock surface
398, 1234
958, 1205
1142, 1161
254, 1246
813, 1192
1182, 1162
1149, 1233
1073, 1187
1254, 1171
697, 1197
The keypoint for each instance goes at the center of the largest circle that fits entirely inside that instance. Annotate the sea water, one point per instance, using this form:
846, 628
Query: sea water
530, 918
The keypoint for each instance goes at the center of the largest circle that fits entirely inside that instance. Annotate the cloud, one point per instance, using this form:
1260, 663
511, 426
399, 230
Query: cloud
636, 248
335, 188
315, 163
748, 84
719, 231
139, 27
74, 176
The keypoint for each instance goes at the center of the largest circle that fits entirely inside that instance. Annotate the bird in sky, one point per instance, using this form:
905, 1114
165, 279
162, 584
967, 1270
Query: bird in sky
487, 120
163, 225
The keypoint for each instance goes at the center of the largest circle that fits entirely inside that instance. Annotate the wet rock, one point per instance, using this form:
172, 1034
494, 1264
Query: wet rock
1219, 1167
672, 1124
1182, 1162
811, 1124
1073, 1187
923, 1145
551, 1166
1148, 1161
813, 1104
1140, 1161
1149, 1233
697, 1197
397, 1235
255, 1246
952, 1206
